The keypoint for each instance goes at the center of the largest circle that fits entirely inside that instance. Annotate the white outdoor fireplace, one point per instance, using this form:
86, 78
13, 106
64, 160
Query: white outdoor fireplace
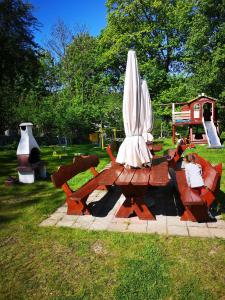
28, 154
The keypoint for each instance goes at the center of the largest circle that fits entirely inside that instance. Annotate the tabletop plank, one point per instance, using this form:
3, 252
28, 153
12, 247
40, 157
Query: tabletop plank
125, 177
159, 174
110, 175
141, 176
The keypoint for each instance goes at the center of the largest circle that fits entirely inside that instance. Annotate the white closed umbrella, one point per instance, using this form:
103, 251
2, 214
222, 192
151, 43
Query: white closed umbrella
148, 124
133, 151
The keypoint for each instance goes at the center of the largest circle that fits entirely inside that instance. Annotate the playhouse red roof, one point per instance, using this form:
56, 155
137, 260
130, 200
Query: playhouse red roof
202, 96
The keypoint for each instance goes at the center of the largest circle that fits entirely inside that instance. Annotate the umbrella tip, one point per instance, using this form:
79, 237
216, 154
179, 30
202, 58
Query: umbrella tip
132, 52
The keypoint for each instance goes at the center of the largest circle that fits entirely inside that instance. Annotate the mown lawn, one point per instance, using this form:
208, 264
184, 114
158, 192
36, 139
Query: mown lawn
62, 263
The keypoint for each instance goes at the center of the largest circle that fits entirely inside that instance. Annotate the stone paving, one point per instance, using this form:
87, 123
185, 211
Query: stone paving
164, 204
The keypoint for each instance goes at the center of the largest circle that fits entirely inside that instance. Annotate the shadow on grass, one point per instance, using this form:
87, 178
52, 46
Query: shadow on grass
7, 218
22, 204
221, 202
23, 190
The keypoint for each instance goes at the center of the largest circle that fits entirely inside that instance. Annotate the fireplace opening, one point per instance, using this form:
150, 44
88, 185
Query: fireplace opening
34, 156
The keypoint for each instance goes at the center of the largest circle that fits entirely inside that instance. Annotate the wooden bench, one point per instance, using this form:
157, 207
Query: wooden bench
175, 154
196, 206
211, 176
76, 200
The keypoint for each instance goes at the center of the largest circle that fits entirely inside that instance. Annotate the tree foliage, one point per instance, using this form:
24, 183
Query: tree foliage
77, 84
18, 52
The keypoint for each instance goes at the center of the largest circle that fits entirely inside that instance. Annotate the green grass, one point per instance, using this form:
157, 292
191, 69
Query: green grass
61, 263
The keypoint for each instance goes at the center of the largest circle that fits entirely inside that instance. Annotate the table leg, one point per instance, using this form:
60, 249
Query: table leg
134, 203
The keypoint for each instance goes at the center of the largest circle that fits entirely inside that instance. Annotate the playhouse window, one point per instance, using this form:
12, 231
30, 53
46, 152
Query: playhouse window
197, 107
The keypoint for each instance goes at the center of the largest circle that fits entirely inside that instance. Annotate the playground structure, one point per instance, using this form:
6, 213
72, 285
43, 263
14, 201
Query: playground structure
100, 137
199, 113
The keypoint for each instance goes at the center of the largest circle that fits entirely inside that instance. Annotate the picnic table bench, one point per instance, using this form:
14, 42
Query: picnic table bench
196, 206
175, 154
133, 183
76, 200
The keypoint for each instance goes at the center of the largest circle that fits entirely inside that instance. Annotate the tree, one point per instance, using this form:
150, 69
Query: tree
155, 29
19, 55
205, 50
80, 66
61, 37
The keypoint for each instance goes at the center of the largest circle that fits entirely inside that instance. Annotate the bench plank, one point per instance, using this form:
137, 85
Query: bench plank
80, 164
188, 196
195, 207
86, 189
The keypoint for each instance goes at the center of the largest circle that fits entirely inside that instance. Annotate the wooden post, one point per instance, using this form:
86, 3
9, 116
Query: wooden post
173, 121
191, 134
114, 134
174, 130
101, 131
173, 111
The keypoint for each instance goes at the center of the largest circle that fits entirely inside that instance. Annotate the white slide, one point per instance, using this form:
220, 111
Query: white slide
211, 134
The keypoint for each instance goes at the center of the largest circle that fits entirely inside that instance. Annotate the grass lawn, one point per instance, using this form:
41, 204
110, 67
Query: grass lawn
61, 263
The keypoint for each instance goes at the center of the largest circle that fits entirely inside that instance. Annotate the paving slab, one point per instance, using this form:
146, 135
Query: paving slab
196, 224
217, 232
137, 227
217, 224
49, 222
161, 219
99, 226
175, 221
81, 225
57, 215
120, 220
85, 219
62, 209
136, 220
199, 232
154, 227
65, 223
70, 218
177, 230
117, 227
106, 219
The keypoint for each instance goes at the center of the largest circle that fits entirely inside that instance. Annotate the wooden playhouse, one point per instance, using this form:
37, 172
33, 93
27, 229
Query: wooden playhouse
200, 116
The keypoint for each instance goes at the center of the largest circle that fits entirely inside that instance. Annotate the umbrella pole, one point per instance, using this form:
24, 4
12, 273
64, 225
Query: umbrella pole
114, 134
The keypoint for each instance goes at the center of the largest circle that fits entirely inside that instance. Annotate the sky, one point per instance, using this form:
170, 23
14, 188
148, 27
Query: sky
91, 13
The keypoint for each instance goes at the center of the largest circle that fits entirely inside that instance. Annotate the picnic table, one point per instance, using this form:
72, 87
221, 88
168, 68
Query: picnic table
134, 184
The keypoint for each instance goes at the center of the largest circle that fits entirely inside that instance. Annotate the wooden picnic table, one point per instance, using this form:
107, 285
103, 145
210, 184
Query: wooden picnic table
134, 184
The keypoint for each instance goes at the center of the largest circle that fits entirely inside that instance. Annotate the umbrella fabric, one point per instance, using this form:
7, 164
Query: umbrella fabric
148, 124
133, 151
